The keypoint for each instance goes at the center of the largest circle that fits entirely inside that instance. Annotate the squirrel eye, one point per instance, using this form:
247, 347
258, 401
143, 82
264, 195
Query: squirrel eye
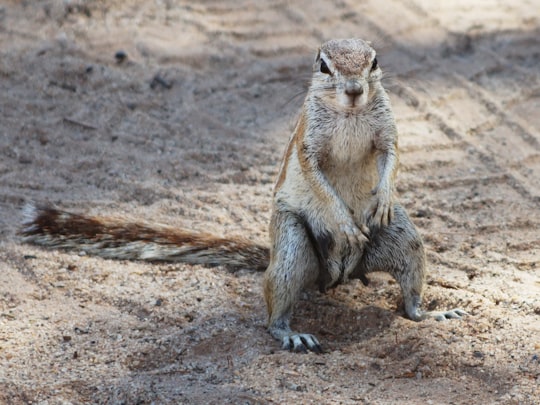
324, 68
374, 64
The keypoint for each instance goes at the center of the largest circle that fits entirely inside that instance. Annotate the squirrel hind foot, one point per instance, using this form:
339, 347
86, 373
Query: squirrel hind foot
455, 313
293, 341
416, 314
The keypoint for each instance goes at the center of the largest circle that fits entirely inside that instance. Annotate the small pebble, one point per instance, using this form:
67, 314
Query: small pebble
120, 56
478, 354
25, 160
157, 80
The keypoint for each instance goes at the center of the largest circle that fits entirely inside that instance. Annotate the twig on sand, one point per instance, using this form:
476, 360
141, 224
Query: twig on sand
81, 124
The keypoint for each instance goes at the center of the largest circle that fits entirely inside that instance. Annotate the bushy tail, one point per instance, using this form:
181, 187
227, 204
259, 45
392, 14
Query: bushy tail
116, 239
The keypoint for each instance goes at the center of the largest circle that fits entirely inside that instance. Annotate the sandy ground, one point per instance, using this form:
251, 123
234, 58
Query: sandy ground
188, 129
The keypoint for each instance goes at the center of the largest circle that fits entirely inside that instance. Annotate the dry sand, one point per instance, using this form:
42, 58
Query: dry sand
189, 129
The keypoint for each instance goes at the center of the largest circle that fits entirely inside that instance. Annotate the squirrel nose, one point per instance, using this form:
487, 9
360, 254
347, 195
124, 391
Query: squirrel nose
353, 88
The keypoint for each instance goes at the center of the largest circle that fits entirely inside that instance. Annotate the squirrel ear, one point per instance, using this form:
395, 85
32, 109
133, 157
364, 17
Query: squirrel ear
318, 57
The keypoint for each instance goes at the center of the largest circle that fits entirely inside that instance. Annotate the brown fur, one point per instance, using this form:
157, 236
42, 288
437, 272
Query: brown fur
283, 172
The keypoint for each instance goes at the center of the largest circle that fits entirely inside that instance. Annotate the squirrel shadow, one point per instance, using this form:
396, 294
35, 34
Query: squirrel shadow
338, 322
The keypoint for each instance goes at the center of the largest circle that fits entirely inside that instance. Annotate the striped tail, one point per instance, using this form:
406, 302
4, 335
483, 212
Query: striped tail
116, 239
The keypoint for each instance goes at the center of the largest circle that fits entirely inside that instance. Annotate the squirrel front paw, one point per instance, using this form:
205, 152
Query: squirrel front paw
356, 235
381, 210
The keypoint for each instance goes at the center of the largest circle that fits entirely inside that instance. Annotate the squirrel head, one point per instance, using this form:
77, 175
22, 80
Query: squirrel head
346, 73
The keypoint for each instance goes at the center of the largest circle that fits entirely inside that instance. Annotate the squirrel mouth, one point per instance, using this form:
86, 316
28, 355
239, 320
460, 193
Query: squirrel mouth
352, 102
355, 103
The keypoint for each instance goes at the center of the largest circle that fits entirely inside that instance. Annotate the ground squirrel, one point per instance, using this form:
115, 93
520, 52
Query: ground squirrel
334, 216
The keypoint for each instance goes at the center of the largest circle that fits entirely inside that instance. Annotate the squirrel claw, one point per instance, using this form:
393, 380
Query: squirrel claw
301, 343
355, 235
365, 230
381, 212
455, 313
